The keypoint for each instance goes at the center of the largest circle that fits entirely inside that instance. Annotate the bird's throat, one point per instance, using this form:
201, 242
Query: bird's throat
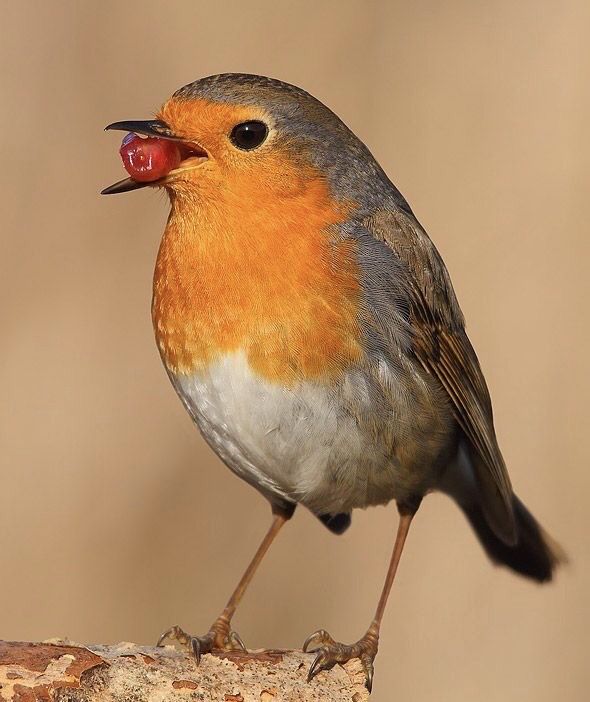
272, 278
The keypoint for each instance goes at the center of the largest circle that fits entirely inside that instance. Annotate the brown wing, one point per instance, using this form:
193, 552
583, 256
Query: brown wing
442, 347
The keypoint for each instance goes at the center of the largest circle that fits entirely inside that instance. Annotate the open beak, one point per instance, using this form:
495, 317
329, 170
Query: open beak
151, 128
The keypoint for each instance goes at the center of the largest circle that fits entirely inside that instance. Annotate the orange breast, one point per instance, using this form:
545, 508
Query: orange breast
263, 270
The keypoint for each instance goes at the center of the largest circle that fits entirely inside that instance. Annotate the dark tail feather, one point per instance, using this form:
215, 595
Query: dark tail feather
535, 555
336, 523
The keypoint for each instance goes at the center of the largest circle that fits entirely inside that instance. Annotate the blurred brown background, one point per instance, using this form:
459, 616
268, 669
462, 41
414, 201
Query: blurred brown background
116, 521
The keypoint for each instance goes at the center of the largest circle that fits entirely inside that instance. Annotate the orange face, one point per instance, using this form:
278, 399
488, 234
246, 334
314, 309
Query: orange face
252, 259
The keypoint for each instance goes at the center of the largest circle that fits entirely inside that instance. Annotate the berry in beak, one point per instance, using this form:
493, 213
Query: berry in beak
152, 159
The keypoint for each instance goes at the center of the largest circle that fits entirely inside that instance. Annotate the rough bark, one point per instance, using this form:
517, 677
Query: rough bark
66, 672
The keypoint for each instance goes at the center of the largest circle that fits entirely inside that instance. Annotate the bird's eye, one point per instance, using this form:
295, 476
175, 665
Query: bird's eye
249, 135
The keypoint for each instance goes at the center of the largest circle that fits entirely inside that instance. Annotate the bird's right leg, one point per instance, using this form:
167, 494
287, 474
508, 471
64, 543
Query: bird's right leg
220, 636
328, 651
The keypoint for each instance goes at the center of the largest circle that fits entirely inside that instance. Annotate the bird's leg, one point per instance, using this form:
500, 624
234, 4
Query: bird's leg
330, 652
220, 636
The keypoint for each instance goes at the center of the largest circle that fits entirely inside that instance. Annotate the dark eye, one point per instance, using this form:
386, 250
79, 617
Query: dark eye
249, 135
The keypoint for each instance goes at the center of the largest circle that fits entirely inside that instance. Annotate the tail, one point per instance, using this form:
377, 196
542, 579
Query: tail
535, 555
336, 523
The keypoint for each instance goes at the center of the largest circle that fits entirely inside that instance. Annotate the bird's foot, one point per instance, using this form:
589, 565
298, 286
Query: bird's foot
219, 638
330, 652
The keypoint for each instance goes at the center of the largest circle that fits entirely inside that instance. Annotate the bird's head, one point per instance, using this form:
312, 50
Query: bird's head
236, 128
267, 188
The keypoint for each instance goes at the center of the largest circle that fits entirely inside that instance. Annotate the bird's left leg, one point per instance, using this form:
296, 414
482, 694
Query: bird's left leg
220, 636
330, 652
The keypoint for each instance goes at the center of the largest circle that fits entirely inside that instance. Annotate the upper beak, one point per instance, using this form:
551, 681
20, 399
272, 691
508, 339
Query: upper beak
147, 127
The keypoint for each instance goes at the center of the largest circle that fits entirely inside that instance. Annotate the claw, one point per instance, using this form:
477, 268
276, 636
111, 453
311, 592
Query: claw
162, 638
308, 640
217, 638
235, 640
323, 638
193, 643
196, 649
315, 667
323, 661
330, 652
369, 671
174, 632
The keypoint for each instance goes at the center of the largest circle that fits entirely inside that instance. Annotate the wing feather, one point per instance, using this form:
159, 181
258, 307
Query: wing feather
442, 347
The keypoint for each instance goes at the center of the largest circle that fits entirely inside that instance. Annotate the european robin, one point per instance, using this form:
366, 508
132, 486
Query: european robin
310, 328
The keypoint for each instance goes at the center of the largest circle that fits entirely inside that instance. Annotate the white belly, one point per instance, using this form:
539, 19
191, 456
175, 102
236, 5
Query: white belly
299, 443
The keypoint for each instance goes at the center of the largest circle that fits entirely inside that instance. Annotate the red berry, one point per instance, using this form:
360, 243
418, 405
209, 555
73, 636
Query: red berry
149, 159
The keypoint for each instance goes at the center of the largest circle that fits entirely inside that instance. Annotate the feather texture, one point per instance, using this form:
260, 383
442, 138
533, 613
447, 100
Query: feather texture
442, 347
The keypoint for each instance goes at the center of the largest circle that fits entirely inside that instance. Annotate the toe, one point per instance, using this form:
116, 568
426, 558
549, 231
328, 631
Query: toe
322, 661
174, 633
319, 638
196, 649
235, 643
367, 662
329, 652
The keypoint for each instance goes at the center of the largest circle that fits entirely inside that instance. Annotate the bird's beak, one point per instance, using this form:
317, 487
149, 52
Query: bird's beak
151, 128
147, 127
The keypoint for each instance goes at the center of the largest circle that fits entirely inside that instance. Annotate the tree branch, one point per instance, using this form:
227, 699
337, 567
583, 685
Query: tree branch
126, 672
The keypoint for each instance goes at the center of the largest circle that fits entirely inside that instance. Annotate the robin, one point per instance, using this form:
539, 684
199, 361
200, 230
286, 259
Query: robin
310, 328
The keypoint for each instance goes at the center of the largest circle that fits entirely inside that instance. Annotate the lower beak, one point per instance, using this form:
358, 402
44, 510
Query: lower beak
124, 186
148, 127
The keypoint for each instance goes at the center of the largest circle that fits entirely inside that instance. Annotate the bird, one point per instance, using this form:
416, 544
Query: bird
310, 328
